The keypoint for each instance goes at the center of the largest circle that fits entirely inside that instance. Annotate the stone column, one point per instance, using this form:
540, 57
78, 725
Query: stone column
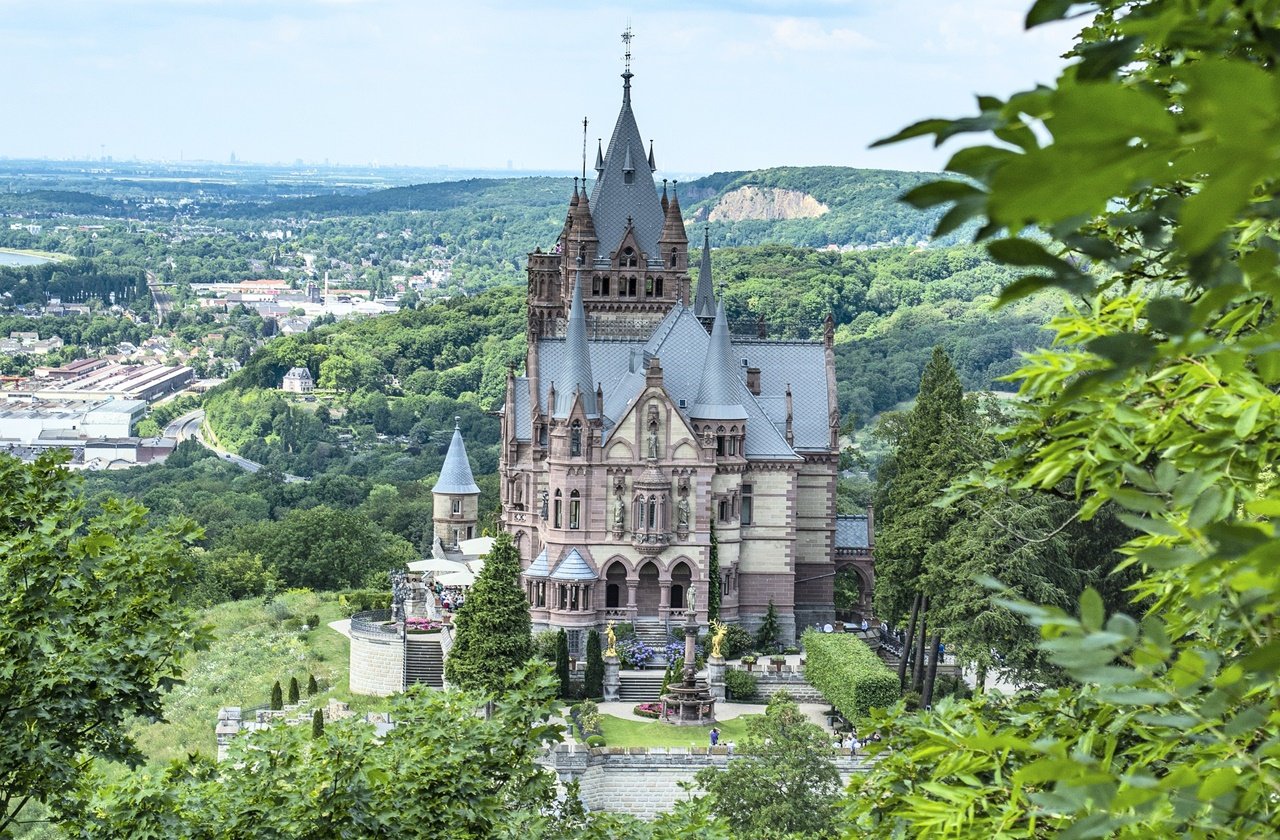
715, 676
664, 600
612, 682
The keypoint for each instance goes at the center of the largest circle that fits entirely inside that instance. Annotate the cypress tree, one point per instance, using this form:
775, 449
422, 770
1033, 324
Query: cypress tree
313, 688
494, 634
562, 664
277, 697
317, 724
767, 635
594, 676
293, 691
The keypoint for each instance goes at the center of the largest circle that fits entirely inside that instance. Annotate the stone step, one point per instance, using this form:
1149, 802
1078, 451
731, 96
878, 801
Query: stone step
639, 686
424, 663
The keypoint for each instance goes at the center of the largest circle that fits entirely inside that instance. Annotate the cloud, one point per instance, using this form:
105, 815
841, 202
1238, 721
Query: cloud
811, 36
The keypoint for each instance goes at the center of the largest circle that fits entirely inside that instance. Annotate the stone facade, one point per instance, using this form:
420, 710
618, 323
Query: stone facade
377, 663
646, 782
641, 424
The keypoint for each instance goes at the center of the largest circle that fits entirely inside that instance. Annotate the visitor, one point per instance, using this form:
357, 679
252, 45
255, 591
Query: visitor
715, 736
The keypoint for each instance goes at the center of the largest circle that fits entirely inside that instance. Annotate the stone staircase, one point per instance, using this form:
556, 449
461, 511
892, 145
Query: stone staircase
423, 661
640, 686
655, 635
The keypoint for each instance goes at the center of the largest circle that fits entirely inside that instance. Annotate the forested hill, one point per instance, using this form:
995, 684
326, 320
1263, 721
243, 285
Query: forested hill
812, 206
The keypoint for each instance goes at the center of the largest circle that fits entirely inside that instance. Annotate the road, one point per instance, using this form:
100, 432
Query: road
190, 425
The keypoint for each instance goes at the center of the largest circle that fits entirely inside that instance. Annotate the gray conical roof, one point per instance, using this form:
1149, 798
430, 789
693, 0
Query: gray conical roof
575, 376
455, 475
720, 392
704, 299
613, 200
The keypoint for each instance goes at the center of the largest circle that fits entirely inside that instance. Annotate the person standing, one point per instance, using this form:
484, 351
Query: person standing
715, 736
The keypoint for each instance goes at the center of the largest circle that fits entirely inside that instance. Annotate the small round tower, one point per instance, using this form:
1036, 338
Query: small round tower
456, 497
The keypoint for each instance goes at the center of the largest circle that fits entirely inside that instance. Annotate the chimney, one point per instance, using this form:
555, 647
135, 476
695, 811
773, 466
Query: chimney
753, 380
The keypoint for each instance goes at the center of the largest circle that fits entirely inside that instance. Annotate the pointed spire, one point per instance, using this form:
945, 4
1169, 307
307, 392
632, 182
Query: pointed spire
599, 156
664, 196
573, 202
652, 166
455, 474
704, 299
576, 377
719, 393
673, 222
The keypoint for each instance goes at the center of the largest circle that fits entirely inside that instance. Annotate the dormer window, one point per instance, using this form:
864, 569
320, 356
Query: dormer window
629, 177
628, 258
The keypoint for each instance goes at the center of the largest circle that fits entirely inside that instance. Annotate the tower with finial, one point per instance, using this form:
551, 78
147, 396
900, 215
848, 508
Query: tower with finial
627, 240
455, 497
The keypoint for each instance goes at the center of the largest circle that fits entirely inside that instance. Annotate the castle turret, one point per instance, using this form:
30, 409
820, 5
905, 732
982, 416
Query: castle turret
575, 382
704, 299
456, 498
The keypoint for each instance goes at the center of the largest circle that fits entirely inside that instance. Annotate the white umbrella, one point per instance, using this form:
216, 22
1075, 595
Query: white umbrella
435, 564
476, 566
476, 547
462, 578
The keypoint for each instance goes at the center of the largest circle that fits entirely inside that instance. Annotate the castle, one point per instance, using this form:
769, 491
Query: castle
643, 432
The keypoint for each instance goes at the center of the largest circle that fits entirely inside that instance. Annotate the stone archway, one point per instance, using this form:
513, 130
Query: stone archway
615, 592
681, 578
851, 594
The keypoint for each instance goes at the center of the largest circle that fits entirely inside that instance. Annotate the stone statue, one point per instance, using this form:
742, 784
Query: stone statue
545, 496
682, 512
612, 650
619, 513
719, 629
691, 599
653, 442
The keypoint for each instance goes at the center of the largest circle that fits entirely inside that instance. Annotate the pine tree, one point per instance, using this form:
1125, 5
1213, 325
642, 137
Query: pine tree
317, 724
494, 633
713, 582
277, 697
767, 635
562, 664
293, 691
594, 676
313, 688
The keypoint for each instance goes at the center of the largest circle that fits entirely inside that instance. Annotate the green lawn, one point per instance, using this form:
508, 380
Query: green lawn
620, 732
253, 647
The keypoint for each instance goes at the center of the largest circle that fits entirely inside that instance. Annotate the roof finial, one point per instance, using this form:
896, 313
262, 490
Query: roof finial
584, 153
627, 35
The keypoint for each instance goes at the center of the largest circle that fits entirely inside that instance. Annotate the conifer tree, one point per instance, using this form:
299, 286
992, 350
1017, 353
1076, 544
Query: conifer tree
317, 724
293, 691
313, 688
494, 633
713, 574
594, 676
277, 697
562, 664
767, 635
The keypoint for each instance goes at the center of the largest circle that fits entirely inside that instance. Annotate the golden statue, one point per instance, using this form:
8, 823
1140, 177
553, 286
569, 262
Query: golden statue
720, 629
612, 650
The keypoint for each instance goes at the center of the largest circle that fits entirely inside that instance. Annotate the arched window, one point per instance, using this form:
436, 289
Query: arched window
604, 286
673, 257
556, 508
653, 512
582, 254
628, 258
657, 287
721, 442
631, 287
575, 510
648, 287
575, 439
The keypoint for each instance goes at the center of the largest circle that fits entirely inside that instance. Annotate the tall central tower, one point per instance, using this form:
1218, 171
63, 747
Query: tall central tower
625, 241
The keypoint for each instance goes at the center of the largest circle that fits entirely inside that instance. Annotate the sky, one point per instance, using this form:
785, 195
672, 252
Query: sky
729, 85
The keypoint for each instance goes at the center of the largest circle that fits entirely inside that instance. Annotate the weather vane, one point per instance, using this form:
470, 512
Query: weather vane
626, 39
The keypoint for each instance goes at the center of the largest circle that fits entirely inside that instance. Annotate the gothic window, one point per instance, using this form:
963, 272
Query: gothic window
542, 434
733, 445
575, 439
648, 287
747, 491
724, 510
628, 258
586, 598
582, 254
631, 287
564, 597
573, 598
604, 286
542, 594
673, 257
653, 512
595, 286
457, 506
657, 287
722, 443
575, 510
555, 519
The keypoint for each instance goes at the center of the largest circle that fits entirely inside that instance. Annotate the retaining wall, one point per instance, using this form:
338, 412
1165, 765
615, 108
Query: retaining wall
377, 663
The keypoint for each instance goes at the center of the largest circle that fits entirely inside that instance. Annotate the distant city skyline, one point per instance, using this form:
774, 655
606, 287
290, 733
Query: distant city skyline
494, 85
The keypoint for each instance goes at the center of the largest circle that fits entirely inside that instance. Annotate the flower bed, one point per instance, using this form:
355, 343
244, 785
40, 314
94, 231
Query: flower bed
649, 710
422, 625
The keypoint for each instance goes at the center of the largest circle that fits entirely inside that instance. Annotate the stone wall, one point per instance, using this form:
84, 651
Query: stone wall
769, 682
646, 782
377, 663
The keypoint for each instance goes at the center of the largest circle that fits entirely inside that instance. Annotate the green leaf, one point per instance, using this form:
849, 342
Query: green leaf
1092, 610
1047, 11
1218, 782
939, 192
1247, 419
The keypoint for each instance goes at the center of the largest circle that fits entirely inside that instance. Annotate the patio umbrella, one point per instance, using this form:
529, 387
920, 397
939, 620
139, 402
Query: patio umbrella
436, 564
460, 578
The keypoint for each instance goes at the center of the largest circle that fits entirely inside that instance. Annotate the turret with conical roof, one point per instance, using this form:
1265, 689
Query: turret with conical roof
455, 496
674, 242
704, 299
720, 391
625, 186
575, 380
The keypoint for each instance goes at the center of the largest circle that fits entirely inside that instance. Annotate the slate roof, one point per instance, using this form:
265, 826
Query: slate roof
539, 567
718, 392
704, 298
613, 200
573, 567
851, 531
455, 474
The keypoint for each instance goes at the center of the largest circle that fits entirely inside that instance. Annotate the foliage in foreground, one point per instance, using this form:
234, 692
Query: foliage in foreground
848, 673
1159, 397
90, 631
784, 784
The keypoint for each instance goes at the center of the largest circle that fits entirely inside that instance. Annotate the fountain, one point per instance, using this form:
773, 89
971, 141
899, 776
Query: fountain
689, 702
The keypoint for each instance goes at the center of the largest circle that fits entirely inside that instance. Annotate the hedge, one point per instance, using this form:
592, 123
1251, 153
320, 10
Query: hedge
848, 673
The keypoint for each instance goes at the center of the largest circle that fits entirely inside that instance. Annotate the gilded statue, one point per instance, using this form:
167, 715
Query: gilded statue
719, 629
612, 650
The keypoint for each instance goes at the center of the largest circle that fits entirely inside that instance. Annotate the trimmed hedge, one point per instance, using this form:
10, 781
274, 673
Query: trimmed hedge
741, 685
848, 673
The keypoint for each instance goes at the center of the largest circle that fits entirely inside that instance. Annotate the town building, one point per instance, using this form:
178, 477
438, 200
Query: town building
298, 381
643, 431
